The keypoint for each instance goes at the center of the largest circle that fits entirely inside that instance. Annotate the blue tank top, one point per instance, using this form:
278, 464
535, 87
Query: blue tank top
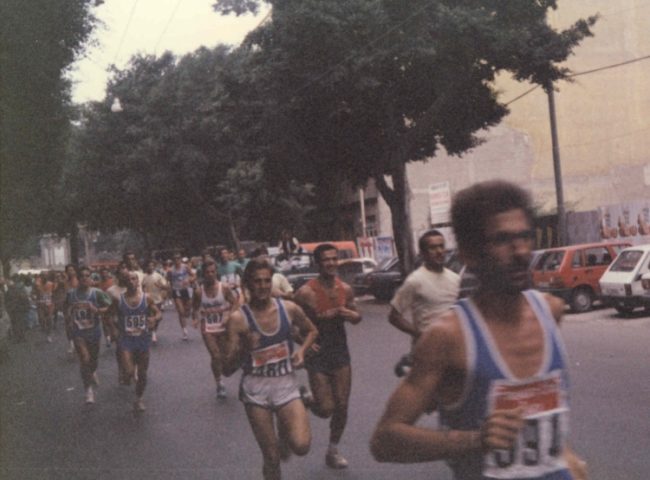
83, 316
177, 277
271, 357
132, 321
491, 385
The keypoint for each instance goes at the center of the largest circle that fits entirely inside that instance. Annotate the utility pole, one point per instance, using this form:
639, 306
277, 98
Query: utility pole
557, 169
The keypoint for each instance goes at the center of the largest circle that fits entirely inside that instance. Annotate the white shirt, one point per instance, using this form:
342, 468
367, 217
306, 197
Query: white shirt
153, 285
427, 294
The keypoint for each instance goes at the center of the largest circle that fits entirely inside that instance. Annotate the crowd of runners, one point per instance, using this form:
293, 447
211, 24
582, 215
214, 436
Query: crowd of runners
493, 366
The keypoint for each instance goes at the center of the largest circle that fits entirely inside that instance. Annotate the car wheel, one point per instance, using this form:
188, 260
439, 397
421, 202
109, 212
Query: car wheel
623, 310
582, 300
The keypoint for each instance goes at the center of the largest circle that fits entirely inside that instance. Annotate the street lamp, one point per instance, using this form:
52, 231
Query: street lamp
116, 107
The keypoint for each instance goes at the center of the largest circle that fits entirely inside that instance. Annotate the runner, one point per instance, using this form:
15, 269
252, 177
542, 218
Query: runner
44, 288
58, 298
180, 279
495, 363
329, 303
71, 282
212, 304
104, 284
136, 315
115, 291
132, 264
280, 286
229, 272
156, 287
426, 293
85, 305
260, 333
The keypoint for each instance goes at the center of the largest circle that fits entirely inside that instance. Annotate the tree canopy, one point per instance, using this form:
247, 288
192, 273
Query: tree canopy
39, 40
363, 87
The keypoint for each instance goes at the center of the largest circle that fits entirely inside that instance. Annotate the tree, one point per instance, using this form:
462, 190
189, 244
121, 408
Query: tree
39, 40
363, 87
175, 164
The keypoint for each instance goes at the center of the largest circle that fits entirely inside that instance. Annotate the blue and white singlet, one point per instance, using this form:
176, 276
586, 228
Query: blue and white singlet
272, 355
132, 321
491, 385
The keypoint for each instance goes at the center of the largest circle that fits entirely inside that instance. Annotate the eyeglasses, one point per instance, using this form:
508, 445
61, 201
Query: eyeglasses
505, 238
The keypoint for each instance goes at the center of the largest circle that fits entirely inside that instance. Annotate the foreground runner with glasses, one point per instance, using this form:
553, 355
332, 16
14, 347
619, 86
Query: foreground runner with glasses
495, 364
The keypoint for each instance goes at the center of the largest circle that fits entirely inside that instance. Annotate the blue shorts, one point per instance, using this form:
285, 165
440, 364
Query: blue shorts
139, 344
90, 335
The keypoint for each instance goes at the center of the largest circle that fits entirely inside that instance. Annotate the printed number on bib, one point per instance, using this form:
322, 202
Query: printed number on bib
135, 324
213, 320
538, 448
83, 316
272, 361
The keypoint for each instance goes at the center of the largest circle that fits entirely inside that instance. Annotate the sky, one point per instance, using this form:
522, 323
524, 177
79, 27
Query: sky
151, 27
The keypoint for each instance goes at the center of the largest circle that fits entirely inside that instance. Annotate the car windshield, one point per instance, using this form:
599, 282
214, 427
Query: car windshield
384, 264
626, 261
550, 260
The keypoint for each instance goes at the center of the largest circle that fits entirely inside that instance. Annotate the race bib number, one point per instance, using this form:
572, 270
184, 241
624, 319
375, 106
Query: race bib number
83, 316
273, 361
135, 325
213, 319
538, 448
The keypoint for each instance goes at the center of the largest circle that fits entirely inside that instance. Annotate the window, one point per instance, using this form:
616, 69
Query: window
626, 261
597, 256
577, 259
550, 260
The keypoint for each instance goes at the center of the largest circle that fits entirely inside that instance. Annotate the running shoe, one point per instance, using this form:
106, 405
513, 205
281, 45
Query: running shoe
49, 339
108, 342
221, 391
71, 347
138, 405
185, 337
154, 338
334, 459
90, 395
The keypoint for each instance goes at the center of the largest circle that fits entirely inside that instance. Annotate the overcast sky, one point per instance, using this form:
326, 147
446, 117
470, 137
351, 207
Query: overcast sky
152, 26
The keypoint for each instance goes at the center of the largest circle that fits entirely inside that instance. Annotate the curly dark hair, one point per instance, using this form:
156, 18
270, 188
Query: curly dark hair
472, 208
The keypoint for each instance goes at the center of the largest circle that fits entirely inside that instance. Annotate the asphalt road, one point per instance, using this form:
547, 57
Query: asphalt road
46, 431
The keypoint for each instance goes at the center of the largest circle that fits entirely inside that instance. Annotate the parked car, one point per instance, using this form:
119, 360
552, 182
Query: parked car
572, 272
350, 268
621, 284
298, 269
383, 281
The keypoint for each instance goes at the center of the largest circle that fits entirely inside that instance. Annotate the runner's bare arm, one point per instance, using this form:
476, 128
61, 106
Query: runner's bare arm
235, 340
196, 307
231, 299
349, 311
398, 321
577, 466
396, 437
307, 329
154, 312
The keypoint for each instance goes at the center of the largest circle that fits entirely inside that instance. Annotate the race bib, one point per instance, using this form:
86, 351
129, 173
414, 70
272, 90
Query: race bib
213, 319
83, 316
539, 446
272, 361
135, 325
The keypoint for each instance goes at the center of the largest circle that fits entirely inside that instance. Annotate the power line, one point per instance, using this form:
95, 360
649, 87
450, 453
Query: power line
155, 50
126, 29
586, 72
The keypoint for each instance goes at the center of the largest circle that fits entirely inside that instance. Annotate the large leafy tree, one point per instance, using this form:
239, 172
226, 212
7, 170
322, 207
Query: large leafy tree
39, 40
363, 87
177, 163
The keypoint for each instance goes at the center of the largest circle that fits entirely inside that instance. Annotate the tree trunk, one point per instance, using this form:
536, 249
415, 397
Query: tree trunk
398, 200
74, 244
233, 233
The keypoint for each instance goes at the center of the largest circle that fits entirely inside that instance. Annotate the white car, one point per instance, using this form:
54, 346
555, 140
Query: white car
621, 283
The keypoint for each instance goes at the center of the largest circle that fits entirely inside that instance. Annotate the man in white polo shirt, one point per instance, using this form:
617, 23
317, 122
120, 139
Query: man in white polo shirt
427, 292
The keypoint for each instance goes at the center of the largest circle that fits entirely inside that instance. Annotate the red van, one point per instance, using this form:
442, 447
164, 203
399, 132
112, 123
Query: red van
572, 272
